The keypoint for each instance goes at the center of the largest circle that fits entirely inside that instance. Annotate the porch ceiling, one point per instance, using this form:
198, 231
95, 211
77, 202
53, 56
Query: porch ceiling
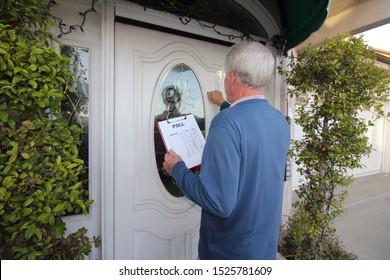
283, 23
353, 16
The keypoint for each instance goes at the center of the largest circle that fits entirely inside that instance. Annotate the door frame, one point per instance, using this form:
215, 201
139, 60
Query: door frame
107, 126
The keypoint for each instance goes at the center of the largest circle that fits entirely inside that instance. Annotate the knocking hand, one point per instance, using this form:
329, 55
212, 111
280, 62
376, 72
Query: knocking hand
216, 97
170, 159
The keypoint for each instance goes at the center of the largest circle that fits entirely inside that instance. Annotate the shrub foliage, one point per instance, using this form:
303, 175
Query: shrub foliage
334, 82
41, 173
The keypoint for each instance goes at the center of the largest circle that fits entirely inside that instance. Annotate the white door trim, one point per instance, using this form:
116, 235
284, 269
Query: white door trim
259, 12
110, 9
107, 175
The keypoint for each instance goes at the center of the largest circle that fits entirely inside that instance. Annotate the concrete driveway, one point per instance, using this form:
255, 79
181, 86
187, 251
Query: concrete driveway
365, 228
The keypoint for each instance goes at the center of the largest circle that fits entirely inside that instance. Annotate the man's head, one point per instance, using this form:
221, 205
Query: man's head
252, 63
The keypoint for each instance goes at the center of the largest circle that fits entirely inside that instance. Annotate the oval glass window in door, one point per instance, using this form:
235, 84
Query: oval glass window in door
179, 94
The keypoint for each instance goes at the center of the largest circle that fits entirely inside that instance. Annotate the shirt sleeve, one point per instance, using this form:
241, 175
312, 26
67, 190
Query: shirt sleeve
224, 106
216, 187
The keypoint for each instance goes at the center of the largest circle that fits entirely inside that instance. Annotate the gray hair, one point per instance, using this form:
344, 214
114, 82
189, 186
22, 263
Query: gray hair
252, 63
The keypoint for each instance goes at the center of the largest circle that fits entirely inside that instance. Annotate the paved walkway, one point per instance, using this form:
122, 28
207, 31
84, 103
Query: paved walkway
365, 228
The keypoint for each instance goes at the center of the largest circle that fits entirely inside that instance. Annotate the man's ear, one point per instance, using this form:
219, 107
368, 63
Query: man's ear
233, 78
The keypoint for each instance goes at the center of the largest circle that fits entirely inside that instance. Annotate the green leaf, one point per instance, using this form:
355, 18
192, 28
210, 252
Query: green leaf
30, 231
77, 185
37, 51
7, 168
44, 68
48, 187
58, 160
4, 116
40, 103
10, 63
59, 208
14, 145
38, 94
73, 195
33, 83
12, 158
11, 123
33, 58
28, 202
26, 212
72, 165
33, 67
18, 69
38, 233
81, 204
7, 181
16, 79
56, 94
5, 82
79, 161
62, 80
25, 155
33, 255
59, 230
43, 217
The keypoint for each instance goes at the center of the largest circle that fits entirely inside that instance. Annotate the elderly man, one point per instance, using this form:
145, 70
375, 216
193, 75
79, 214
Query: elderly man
240, 185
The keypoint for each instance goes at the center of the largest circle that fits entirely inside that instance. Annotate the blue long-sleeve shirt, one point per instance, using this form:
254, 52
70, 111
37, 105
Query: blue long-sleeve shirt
240, 186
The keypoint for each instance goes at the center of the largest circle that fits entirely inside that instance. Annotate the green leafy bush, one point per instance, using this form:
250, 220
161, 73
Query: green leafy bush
41, 173
337, 81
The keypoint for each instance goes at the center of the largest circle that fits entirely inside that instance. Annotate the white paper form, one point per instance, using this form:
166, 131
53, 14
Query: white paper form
182, 134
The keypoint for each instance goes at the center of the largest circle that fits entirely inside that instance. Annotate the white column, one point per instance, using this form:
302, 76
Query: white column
386, 141
107, 175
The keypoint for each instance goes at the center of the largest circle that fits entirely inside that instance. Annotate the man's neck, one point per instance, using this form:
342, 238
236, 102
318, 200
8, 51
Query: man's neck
242, 92
245, 93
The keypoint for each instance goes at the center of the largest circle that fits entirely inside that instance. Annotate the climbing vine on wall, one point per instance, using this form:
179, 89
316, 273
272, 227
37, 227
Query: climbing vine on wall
66, 28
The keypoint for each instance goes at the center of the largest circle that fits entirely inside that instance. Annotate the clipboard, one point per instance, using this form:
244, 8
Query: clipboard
183, 135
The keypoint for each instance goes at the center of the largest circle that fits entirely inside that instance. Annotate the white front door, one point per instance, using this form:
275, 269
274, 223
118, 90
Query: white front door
149, 221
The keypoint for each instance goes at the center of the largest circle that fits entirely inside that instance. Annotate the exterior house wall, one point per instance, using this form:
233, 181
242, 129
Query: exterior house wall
375, 163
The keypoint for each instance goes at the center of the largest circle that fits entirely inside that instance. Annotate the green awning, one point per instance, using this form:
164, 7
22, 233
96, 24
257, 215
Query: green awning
301, 18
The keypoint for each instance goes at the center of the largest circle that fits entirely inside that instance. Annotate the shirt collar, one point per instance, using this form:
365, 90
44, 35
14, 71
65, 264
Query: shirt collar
258, 96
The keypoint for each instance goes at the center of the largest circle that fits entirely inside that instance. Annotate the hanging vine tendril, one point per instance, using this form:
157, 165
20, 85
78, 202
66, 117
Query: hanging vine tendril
67, 29
186, 13
243, 36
